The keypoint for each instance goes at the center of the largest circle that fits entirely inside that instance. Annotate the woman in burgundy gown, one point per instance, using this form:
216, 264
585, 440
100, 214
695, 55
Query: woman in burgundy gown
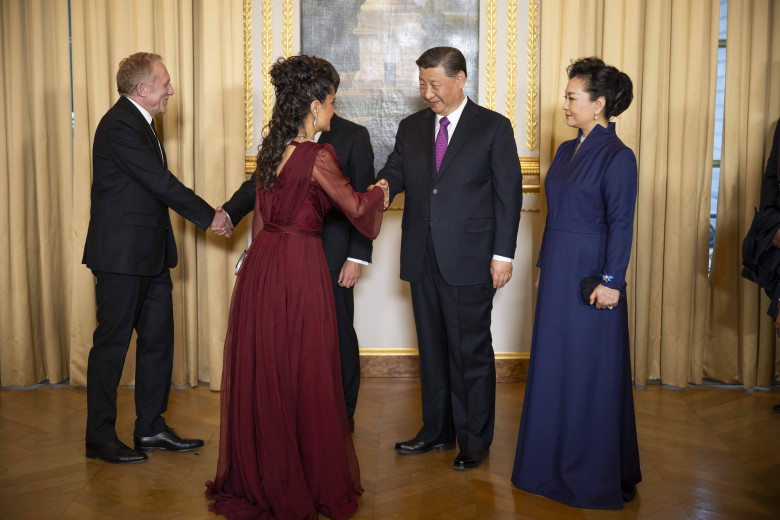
285, 447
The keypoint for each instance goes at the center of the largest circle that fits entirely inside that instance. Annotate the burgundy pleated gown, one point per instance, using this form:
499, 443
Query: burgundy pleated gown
285, 447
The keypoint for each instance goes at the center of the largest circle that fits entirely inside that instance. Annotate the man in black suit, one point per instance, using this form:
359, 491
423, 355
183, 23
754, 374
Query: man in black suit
458, 164
130, 248
346, 250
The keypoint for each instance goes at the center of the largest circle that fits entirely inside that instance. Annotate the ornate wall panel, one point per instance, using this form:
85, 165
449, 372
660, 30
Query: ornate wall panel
506, 59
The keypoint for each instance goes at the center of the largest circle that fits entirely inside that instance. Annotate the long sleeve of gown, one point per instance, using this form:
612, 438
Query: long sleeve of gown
364, 210
619, 187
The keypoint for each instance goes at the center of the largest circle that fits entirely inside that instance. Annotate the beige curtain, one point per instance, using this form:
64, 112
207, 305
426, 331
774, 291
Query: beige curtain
47, 326
741, 337
201, 42
669, 50
35, 186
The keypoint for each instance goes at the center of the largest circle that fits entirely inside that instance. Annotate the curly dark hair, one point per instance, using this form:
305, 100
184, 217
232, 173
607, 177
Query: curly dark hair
604, 80
298, 81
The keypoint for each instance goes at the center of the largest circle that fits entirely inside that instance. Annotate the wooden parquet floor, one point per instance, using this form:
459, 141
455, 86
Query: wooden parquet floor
707, 453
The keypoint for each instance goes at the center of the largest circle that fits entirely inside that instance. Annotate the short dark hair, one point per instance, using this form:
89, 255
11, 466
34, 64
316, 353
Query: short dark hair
448, 57
135, 69
604, 80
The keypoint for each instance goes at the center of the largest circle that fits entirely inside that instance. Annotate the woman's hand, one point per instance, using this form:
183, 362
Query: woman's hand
604, 297
385, 188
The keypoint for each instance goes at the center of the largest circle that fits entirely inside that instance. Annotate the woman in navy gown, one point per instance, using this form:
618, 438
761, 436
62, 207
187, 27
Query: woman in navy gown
285, 449
577, 441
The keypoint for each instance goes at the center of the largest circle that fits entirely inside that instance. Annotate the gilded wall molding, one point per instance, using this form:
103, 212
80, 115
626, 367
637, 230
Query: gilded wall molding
406, 351
532, 77
249, 124
287, 28
511, 61
491, 12
528, 165
268, 31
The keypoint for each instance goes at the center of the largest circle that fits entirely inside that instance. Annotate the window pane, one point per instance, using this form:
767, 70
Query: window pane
720, 94
722, 24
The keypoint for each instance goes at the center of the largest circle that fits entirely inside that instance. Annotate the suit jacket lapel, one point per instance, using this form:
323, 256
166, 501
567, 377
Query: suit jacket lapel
147, 129
325, 136
462, 132
426, 138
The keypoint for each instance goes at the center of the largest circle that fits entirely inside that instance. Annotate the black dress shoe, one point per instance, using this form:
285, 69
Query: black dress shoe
166, 440
114, 452
776, 408
351, 424
470, 459
416, 446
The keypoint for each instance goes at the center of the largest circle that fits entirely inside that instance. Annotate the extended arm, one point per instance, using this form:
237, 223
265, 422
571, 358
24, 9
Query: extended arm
362, 161
393, 171
364, 210
140, 162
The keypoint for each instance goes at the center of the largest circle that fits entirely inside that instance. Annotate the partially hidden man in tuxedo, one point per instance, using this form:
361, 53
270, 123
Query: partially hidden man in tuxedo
458, 164
130, 249
346, 250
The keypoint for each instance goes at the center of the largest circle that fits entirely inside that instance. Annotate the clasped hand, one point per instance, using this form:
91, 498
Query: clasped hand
221, 225
604, 297
385, 188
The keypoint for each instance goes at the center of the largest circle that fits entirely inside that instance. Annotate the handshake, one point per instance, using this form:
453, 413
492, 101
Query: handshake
222, 224
385, 188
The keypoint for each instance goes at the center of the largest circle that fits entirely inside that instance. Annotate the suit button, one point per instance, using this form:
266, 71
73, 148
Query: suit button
435, 191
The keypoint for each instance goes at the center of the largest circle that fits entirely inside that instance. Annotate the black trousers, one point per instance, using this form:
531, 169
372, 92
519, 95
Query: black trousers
124, 303
457, 365
348, 342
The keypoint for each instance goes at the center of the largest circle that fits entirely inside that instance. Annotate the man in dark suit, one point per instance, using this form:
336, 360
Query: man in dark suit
346, 250
130, 248
458, 164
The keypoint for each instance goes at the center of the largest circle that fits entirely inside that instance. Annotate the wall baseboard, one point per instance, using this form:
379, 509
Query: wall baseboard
511, 367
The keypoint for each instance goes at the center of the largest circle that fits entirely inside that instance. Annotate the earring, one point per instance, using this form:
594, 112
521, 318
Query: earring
314, 124
595, 117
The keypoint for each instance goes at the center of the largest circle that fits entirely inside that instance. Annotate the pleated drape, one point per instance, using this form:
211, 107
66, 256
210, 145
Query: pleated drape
669, 50
35, 186
47, 327
741, 337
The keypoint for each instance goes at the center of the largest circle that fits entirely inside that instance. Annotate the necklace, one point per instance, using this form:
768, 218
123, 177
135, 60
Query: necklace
582, 138
299, 136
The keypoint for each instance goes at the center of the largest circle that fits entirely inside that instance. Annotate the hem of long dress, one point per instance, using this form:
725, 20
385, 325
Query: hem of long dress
569, 503
238, 508
340, 511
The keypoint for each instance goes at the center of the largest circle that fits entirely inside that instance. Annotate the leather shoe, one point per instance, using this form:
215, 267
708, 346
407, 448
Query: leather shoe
351, 421
114, 452
470, 459
416, 446
166, 440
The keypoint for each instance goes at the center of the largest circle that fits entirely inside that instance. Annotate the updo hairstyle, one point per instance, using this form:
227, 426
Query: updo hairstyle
298, 81
604, 80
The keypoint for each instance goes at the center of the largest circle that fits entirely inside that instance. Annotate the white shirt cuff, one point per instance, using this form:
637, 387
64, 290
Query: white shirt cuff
361, 262
502, 258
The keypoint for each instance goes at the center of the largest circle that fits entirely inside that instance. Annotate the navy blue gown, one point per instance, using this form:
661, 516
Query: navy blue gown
577, 441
